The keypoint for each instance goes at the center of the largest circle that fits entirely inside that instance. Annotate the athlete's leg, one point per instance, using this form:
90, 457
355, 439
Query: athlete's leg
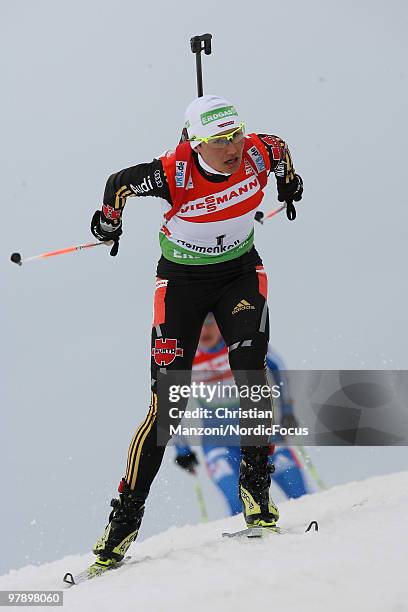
242, 316
175, 332
223, 468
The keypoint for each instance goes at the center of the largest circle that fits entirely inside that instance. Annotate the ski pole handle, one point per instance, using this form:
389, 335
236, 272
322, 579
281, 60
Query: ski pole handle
17, 259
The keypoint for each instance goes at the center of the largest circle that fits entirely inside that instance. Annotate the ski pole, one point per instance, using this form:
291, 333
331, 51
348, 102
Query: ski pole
200, 499
261, 217
290, 213
311, 468
17, 259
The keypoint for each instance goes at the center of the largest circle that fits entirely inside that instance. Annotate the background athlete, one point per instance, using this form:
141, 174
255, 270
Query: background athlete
210, 188
222, 455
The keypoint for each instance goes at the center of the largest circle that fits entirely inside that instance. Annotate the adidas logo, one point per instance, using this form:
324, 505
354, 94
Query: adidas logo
243, 305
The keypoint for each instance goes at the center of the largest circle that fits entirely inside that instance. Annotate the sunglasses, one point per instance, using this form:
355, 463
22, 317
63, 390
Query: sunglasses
218, 142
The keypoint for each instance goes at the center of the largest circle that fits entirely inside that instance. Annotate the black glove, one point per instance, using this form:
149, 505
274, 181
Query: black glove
289, 420
187, 462
105, 231
288, 192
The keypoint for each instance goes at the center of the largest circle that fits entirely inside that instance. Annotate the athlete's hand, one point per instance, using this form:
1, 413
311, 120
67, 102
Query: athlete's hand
289, 192
105, 231
187, 462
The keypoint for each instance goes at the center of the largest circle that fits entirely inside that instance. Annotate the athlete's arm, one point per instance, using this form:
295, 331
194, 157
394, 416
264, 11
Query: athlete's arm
140, 180
289, 184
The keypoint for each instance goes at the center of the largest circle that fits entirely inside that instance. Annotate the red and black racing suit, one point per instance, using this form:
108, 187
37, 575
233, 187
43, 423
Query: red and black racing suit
184, 295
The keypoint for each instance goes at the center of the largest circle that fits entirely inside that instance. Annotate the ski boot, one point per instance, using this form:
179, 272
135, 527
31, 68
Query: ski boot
122, 529
254, 483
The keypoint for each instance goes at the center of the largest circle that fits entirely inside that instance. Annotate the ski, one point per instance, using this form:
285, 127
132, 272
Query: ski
260, 532
252, 532
93, 571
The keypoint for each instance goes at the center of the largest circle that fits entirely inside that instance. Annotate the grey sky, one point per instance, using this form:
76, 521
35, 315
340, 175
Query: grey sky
91, 87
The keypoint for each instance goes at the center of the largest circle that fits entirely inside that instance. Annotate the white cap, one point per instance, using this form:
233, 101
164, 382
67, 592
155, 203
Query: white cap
209, 115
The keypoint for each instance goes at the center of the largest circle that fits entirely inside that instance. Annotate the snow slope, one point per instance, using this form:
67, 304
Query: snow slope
357, 561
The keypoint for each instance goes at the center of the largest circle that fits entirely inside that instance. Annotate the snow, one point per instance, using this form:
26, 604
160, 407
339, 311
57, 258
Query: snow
356, 561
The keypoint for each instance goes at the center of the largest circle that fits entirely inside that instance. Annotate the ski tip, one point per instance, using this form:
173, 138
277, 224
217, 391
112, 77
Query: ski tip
312, 526
69, 579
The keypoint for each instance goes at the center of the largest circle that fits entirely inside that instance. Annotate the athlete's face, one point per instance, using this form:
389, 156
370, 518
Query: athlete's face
225, 159
210, 335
